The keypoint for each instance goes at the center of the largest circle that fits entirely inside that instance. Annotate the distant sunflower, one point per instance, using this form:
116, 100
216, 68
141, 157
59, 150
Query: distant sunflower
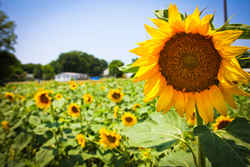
115, 95
88, 98
222, 122
20, 97
73, 86
5, 125
129, 119
109, 139
59, 96
74, 110
10, 96
188, 63
103, 87
136, 106
115, 111
81, 140
43, 100
192, 120
119, 88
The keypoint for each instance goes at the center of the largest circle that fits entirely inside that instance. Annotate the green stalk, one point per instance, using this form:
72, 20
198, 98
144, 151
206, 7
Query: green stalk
53, 116
190, 148
201, 157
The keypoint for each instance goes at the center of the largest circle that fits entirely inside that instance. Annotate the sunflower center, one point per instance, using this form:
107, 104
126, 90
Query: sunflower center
74, 109
88, 98
44, 98
189, 62
111, 139
116, 95
223, 124
129, 119
9, 97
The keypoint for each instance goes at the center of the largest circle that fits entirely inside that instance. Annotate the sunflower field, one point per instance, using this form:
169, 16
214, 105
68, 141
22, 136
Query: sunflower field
104, 124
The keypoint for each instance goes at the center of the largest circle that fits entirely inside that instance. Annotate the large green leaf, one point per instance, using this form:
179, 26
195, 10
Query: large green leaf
229, 147
129, 68
157, 131
58, 103
178, 159
45, 155
72, 161
21, 141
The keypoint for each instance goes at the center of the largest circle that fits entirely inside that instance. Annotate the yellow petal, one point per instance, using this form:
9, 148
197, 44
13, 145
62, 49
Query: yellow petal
233, 72
225, 38
180, 104
193, 21
201, 107
217, 100
146, 70
140, 51
228, 97
208, 105
190, 106
151, 82
232, 51
155, 91
204, 27
165, 98
163, 26
171, 103
157, 34
175, 19
145, 61
232, 88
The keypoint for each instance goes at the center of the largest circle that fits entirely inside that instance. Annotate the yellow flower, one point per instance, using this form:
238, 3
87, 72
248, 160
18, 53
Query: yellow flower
59, 96
81, 83
5, 125
43, 100
81, 140
136, 106
68, 98
109, 139
100, 83
88, 98
73, 86
21, 98
14, 87
74, 110
119, 88
103, 87
129, 119
222, 122
115, 111
185, 61
115, 95
40, 89
10, 96
37, 84
192, 120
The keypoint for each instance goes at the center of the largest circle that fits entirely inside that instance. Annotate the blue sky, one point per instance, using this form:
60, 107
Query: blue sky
107, 29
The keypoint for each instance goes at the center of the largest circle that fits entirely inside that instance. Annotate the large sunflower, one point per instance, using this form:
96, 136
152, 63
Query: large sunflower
187, 63
88, 98
43, 100
10, 96
74, 110
129, 119
109, 139
222, 122
115, 95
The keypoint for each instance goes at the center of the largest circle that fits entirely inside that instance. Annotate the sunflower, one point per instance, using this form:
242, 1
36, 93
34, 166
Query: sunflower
43, 100
59, 96
115, 95
119, 88
136, 106
192, 119
73, 86
103, 87
129, 119
109, 139
222, 122
115, 111
10, 96
81, 140
74, 110
5, 125
20, 97
188, 63
88, 98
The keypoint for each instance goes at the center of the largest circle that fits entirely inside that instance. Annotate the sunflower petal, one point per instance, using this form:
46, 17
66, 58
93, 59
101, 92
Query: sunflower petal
217, 100
228, 97
175, 18
180, 104
225, 38
165, 98
201, 107
208, 105
190, 106
155, 33
171, 103
140, 51
145, 61
162, 25
144, 72
155, 91
151, 82
205, 25
232, 51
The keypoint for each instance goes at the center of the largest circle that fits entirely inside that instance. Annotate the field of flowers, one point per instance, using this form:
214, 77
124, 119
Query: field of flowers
97, 124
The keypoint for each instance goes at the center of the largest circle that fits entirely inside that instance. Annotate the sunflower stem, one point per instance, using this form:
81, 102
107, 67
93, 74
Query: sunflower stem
201, 157
190, 148
54, 131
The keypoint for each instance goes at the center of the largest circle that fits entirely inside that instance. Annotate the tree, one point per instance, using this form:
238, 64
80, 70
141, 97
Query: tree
29, 68
7, 35
48, 72
113, 68
38, 72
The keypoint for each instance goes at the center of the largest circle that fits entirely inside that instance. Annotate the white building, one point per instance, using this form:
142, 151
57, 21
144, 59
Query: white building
66, 76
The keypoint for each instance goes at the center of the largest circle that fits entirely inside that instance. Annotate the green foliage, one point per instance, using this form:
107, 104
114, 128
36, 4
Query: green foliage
113, 68
129, 68
228, 147
48, 72
244, 60
244, 27
38, 72
29, 67
8, 37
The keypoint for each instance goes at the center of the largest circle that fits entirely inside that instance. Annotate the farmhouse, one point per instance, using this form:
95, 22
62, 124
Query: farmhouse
68, 76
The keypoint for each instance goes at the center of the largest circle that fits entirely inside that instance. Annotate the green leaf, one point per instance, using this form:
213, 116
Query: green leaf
162, 14
158, 131
45, 155
40, 129
129, 68
229, 147
21, 141
58, 103
243, 27
15, 163
72, 161
178, 159
35, 120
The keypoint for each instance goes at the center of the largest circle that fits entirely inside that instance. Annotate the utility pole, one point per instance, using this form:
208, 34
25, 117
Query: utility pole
225, 10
